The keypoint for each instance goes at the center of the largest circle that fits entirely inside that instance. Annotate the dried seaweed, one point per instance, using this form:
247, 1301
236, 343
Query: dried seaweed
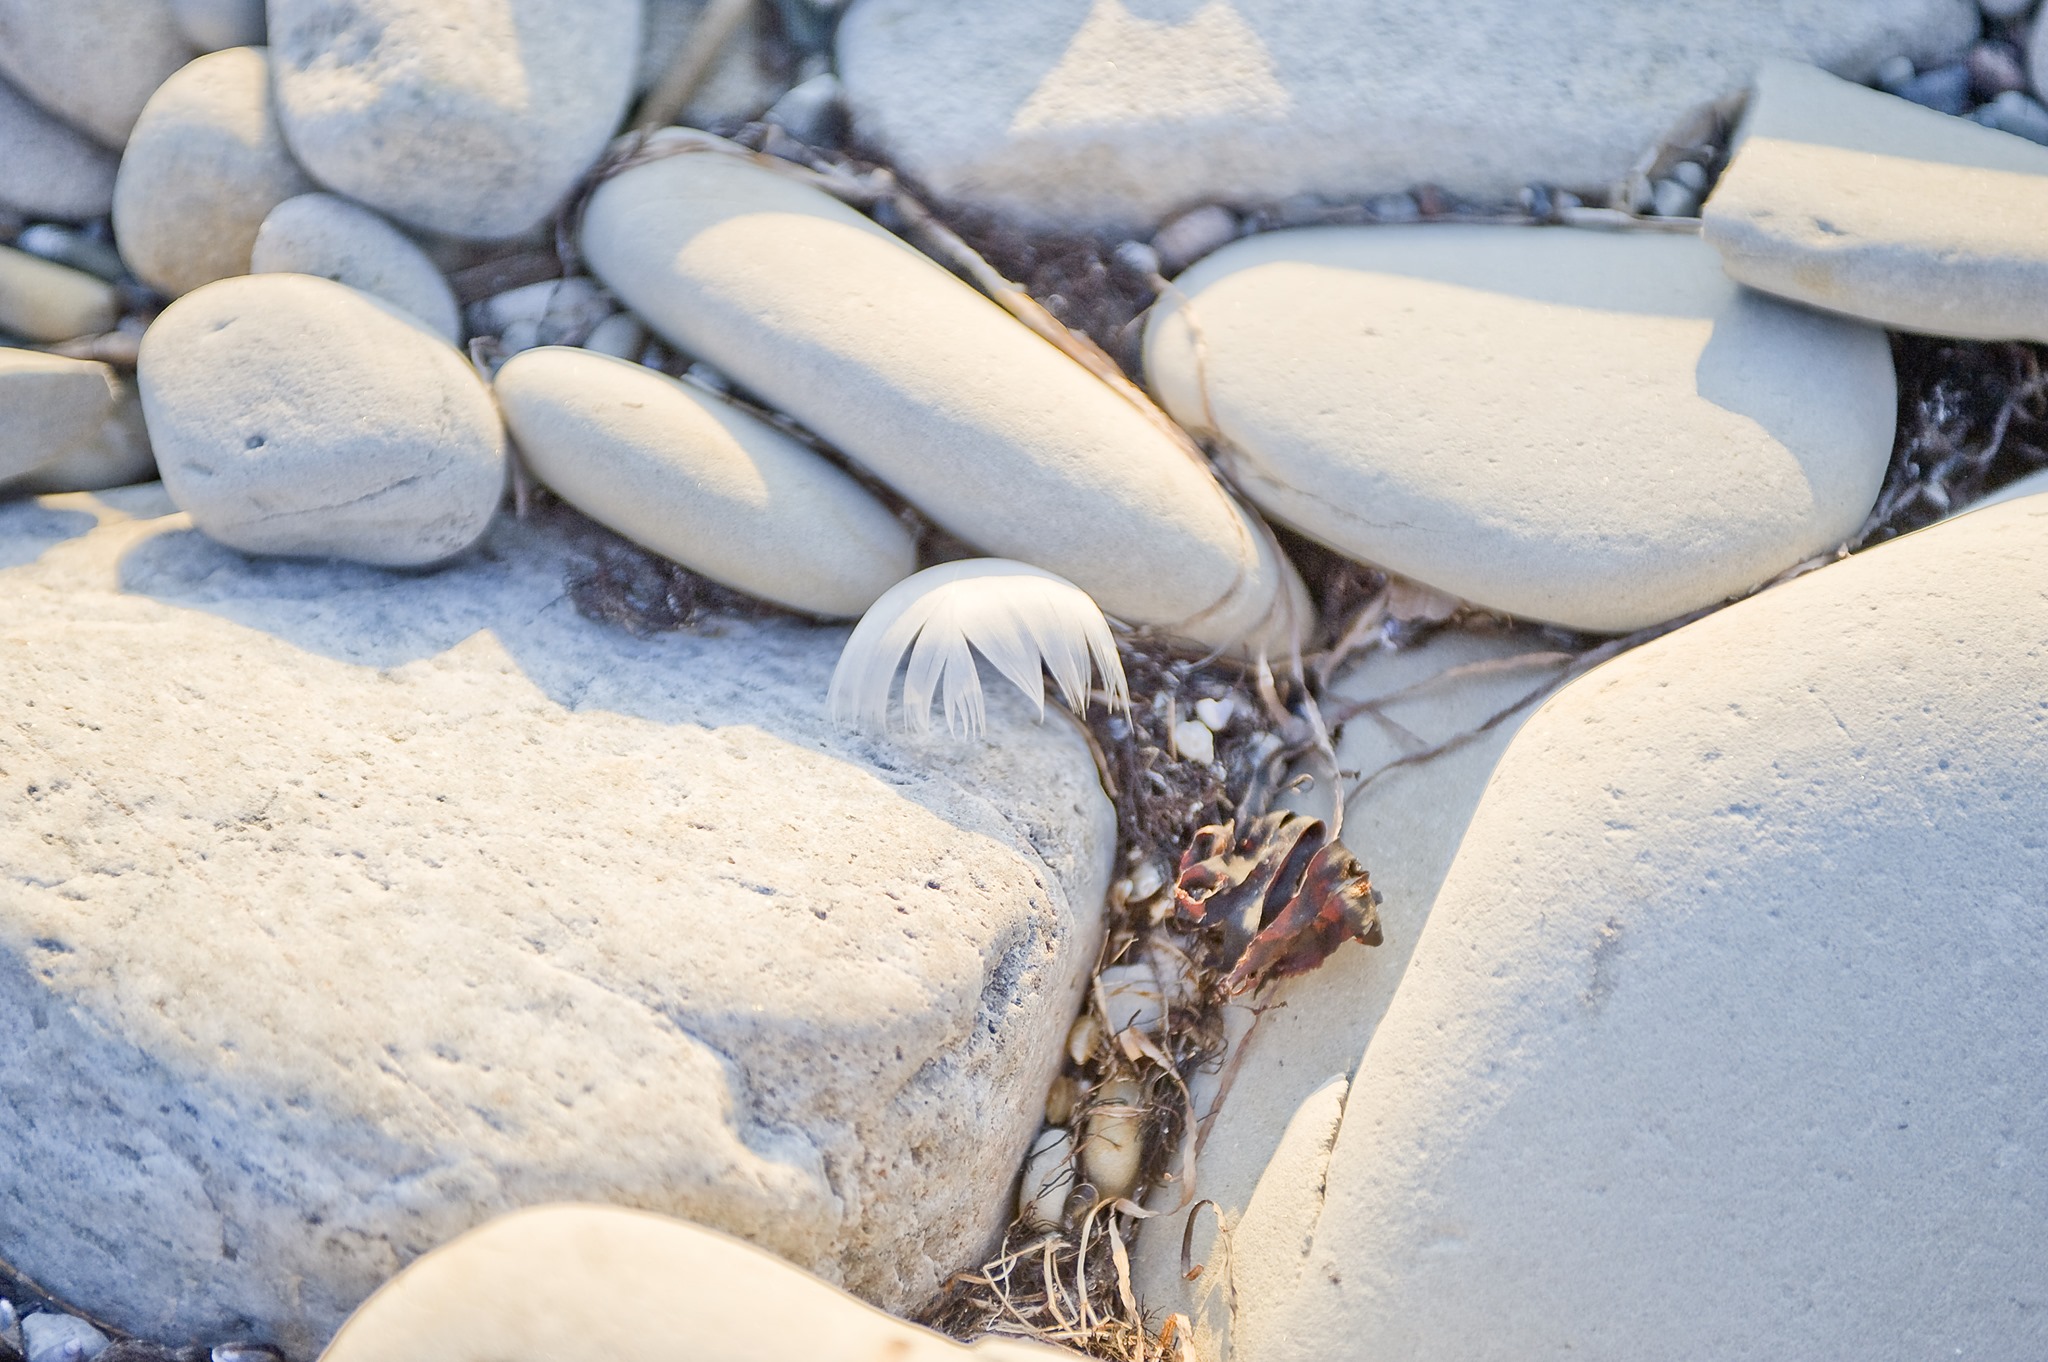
1973, 416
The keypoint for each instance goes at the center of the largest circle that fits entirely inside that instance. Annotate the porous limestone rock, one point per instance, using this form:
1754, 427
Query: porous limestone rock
51, 170
1723, 1038
476, 129
1589, 428
329, 236
701, 482
93, 63
630, 1287
1868, 204
984, 426
49, 405
295, 415
348, 909
205, 164
1120, 112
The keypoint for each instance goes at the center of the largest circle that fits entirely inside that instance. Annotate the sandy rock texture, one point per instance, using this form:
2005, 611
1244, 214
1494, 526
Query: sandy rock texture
929, 385
205, 164
48, 406
1588, 428
294, 415
1860, 202
1723, 1035
474, 129
1119, 112
458, 902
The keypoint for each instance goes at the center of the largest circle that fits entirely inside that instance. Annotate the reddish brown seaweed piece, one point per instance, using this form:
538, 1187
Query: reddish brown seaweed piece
1336, 903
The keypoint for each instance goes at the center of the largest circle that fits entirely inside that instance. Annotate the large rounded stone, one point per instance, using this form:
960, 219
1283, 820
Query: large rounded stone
1725, 1037
632, 1287
1121, 112
295, 415
51, 170
701, 482
93, 63
1587, 428
346, 242
478, 128
1868, 204
987, 428
115, 453
205, 164
48, 406
348, 909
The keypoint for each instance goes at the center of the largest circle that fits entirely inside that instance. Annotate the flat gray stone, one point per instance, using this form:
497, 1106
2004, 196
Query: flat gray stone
327, 235
476, 129
348, 909
51, 170
93, 63
1120, 112
1870, 205
1724, 1037
1594, 429
294, 415
205, 164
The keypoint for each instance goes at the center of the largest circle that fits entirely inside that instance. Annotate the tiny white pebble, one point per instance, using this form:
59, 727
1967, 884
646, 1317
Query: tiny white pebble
1216, 713
1195, 741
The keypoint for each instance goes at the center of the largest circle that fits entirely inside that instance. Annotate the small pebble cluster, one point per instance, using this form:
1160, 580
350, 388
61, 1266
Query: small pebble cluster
369, 292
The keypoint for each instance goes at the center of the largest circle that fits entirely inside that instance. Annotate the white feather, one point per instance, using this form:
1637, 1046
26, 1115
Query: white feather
1019, 617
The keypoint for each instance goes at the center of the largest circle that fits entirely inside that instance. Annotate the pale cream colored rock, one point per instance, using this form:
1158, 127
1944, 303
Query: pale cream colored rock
115, 453
456, 902
41, 300
294, 415
327, 235
701, 482
1122, 112
475, 128
1864, 203
211, 25
50, 169
984, 426
49, 405
1265, 1157
629, 1287
1722, 1038
1590, 428
204, 166
93, 63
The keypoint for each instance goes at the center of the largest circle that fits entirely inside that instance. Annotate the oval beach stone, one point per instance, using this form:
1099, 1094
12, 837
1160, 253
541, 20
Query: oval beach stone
327, 235
984, 426
93, 63
1586, 428
701, 482
205, 164
294, 415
